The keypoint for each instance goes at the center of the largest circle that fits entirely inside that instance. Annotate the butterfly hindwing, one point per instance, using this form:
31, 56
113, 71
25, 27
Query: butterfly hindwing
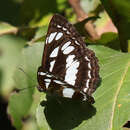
67, 60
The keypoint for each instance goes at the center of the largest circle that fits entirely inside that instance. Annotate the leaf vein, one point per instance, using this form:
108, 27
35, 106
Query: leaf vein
116, 94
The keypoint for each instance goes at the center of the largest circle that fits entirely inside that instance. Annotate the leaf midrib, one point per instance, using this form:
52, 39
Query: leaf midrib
116, 94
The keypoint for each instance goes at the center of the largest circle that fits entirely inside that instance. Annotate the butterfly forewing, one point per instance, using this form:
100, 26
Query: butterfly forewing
60, 33
68, 61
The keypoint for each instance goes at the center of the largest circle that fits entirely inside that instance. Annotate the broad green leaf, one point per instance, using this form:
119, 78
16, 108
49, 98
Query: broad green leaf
111, 110
113, 96
10, 49
40, 117
106, 38
20, 104
110, 40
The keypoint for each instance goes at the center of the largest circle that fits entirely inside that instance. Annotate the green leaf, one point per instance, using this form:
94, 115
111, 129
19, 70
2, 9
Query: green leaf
107, 37
113, 96
110, 40
40, 118
10, 51
20, 103
111, 110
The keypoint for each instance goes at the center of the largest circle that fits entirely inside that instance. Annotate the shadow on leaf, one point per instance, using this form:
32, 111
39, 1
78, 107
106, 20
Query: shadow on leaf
65, 114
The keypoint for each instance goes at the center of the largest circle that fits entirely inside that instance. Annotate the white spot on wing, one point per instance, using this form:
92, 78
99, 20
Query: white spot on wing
47, 85
64, 29
89, 65
68, 32
69, 60
58, 26
68, 50
87, 86
47, 82
87, 83
71, 72
52, 65
48, 75
85, 90
85, 97
65, 45
59, 35
54, 52
68, 92
58, 82
77, 42
41, 73
87, 58
51, 37
89, 75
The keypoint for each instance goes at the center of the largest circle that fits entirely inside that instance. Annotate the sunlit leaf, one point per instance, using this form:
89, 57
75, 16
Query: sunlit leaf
10, 54
111, 109
31, 58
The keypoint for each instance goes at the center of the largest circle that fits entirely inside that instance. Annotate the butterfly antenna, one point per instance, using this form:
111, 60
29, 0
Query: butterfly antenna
17, 90
22, 89
25, 73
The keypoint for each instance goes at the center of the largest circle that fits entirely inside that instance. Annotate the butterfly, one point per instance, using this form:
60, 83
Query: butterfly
69, 69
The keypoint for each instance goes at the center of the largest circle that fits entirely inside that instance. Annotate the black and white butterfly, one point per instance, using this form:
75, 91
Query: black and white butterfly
68, 69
